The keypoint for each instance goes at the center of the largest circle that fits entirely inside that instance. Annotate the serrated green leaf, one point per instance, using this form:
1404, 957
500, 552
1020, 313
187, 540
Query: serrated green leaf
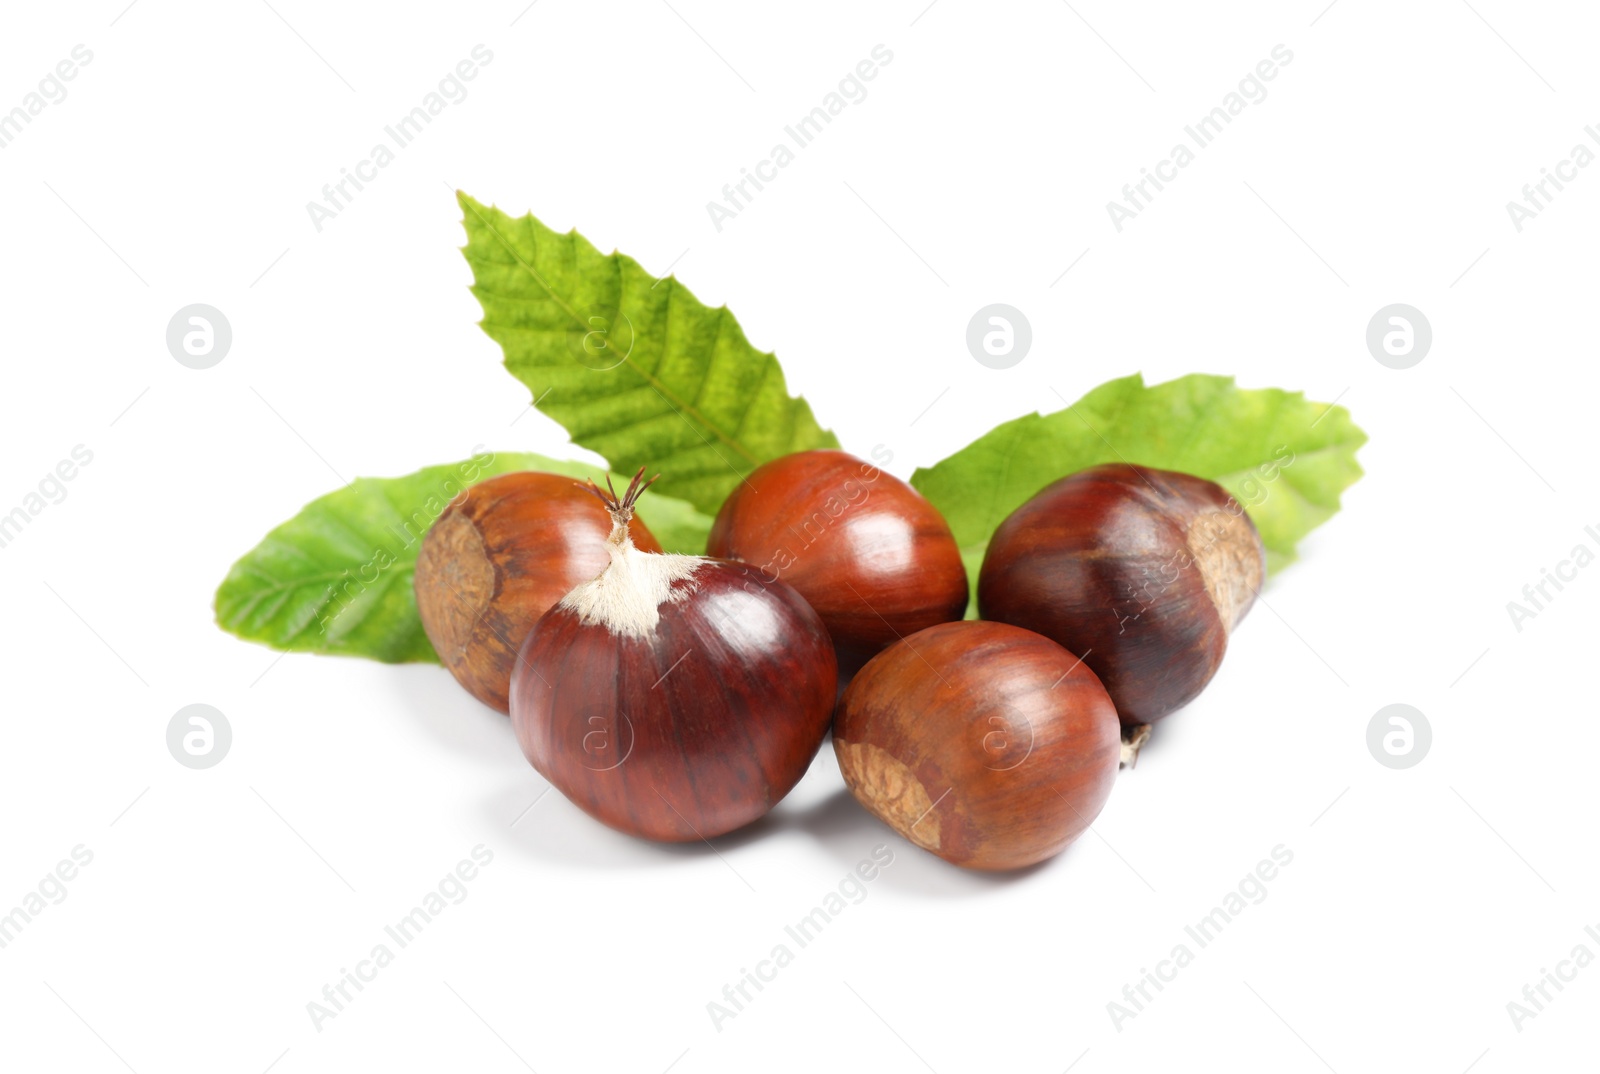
336, 578
1199, 424
633, 366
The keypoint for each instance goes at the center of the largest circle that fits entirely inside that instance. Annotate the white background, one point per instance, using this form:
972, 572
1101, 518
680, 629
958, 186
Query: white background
220, 902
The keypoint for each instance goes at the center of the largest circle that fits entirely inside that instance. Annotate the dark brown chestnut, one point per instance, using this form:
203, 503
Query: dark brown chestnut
986, 744
673, 697
875, 559
1144, 572
498, 557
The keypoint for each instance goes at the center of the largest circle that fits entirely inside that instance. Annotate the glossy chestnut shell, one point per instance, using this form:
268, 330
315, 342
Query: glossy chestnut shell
497, 559
986, 744
1143, 572
689, 730
875, 559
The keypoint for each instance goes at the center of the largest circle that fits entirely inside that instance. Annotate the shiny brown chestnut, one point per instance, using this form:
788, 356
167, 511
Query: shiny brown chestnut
986, 744
496, 560
875, 559
1144, 572
673, 697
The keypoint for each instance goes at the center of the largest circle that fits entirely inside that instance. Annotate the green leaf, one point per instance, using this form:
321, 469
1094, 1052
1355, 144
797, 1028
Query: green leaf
633, 366
1198, 424
336, 578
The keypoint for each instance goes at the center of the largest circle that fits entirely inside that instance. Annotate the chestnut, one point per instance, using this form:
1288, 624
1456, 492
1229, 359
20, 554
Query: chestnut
673, 697
989, 745
1144, 572
498, 557
875, 559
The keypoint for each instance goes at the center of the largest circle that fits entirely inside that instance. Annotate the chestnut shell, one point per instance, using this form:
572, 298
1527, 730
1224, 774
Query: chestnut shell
986, 744
696, 729
1144, 572
497, 559
875, 559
